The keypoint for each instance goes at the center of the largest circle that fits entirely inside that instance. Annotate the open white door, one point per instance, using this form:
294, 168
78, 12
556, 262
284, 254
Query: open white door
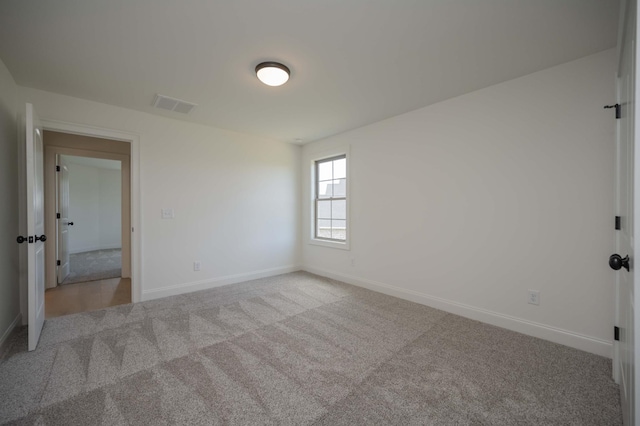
35, 225
62, 175
627, 183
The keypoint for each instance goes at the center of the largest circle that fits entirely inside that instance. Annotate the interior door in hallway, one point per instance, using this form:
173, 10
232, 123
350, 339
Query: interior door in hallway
62, 177
34, 169
624, 349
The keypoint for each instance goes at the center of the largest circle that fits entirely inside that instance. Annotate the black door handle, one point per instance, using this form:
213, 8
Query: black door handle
70, 223
616, 262
42, 238
21, 239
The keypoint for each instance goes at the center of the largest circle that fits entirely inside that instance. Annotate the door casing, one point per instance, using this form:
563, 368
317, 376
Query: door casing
62, 222
136, 227
80, 146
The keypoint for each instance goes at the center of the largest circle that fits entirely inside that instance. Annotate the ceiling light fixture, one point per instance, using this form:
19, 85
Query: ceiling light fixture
272, 73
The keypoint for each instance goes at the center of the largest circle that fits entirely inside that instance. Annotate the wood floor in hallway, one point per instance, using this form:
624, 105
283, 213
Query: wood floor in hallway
87, 296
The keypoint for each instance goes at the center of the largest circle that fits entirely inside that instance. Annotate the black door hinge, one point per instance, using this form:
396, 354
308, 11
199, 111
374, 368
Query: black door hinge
618, 227
58, 216
618, 108
616, 333
58, 167
58, 262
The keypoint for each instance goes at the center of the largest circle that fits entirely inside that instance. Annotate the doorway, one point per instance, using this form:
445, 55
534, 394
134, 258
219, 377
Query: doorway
87, 205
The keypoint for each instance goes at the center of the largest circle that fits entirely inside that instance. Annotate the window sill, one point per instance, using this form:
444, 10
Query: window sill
330, 244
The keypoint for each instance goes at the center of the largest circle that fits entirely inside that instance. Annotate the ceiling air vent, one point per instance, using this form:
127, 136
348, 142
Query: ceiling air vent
172, 104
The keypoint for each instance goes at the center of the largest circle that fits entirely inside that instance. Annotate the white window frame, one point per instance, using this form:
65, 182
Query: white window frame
344, 245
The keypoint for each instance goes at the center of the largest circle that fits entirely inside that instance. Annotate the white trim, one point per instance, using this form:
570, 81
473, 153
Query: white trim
189, 287
17, 320
554, 334
81, 129
330, 244
94, 248
136, 223
310, 171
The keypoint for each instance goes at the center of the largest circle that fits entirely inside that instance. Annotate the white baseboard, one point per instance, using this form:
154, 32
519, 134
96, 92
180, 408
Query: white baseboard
554, 334
17, 320
94, 248
215, 282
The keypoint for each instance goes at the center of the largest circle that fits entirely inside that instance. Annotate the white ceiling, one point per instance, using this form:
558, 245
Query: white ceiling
353, 62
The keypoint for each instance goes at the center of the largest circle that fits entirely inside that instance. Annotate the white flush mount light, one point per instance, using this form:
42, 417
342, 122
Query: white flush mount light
272, 73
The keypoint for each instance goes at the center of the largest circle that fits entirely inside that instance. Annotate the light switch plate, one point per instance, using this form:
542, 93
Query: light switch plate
167, 214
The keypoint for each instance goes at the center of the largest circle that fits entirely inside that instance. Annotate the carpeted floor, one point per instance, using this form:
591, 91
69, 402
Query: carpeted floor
296, 349
94, 265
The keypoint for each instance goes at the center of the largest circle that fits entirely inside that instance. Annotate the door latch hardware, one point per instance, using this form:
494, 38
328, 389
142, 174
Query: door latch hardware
616, 262
618, 108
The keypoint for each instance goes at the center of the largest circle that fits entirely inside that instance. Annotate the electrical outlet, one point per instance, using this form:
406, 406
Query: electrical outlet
196, 266
534, 297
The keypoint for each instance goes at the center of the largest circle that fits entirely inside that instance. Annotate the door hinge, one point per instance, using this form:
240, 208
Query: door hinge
58, 216
58, 167
618, 227
616, 333
58, 262
618, 108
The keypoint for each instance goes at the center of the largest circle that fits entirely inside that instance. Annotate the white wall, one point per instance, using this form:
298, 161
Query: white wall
493, 193
109, 209
9, 266
235, 197
94, 208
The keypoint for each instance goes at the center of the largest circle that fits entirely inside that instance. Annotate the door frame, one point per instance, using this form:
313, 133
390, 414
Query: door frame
624, 10
134, 188
61, 182
51, 192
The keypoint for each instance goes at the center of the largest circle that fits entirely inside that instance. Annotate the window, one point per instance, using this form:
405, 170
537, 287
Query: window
331, 199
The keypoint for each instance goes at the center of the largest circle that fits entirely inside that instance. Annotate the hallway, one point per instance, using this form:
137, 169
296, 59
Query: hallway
87, 296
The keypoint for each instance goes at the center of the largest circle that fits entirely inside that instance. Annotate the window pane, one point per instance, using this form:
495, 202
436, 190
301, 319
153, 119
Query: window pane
340, 168
325, 170
324, 209
331, 214
323, 229
325, 189
339, 187
339, 229
339, 209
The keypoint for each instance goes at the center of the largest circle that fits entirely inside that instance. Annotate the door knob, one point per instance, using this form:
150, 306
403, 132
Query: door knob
616, 262
21, 239
43, 238
70, 223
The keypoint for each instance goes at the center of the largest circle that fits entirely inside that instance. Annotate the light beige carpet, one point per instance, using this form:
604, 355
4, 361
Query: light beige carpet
296, 349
